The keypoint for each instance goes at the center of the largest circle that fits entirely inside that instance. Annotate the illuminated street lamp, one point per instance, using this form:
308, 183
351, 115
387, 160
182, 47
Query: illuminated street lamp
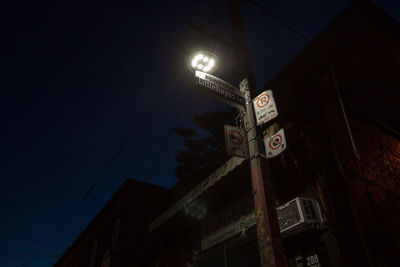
268, 232
203, 61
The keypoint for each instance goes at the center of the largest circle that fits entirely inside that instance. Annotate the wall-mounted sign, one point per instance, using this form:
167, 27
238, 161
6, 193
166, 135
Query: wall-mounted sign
235, 142
264, 107
275, 144
221, 90
227, 222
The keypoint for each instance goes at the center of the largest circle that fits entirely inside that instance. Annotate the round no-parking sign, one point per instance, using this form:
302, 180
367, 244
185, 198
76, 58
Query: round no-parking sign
275, 144
235, 141
264, 107
236, 137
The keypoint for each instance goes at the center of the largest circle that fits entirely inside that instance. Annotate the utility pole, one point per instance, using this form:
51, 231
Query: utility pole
268, 232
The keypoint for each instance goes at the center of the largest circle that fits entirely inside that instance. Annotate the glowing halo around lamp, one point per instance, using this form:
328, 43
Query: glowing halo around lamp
203, 61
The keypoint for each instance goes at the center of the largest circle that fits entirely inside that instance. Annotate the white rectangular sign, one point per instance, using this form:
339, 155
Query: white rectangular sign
220, 89
264, 107
275, 144
236, 142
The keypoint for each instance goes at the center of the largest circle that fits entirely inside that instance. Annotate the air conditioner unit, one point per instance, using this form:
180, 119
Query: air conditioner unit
298, 215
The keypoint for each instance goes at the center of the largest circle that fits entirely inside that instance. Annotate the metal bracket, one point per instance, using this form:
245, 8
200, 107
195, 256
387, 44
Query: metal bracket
258, 155
248, 130
252, 139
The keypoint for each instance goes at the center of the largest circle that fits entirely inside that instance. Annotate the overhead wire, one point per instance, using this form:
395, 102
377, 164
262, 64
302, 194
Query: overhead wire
144, 116
372, 204
258, 4
217, 14
276, 33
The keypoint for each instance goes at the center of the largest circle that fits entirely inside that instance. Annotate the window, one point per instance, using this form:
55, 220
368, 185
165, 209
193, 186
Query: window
116, 231
93, 256
106, 259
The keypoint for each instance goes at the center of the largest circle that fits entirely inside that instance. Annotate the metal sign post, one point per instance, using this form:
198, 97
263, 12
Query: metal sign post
268, 232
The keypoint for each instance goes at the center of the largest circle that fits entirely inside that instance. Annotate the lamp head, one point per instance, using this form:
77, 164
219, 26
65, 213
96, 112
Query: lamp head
203, 61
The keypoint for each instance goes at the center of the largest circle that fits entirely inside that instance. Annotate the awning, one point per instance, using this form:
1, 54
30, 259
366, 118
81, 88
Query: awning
225, 169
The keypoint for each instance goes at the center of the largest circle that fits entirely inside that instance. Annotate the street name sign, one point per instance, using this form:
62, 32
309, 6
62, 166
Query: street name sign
235, 142
264, 107
275, 144
221, 90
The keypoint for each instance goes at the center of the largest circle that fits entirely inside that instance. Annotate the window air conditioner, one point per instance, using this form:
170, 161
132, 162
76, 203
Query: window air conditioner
298, 215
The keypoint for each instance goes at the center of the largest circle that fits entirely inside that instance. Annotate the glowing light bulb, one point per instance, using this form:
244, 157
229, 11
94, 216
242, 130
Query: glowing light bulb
211, 62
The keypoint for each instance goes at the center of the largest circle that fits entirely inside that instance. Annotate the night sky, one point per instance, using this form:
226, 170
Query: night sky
78, 77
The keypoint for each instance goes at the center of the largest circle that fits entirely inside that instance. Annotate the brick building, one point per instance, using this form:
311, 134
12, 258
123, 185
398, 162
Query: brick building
118, 235
355, 62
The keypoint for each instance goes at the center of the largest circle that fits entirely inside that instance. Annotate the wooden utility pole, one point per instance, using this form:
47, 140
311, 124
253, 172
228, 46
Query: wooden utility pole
268, 233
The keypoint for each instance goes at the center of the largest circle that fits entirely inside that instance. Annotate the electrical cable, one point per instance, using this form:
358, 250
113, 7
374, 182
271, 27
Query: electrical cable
276, 34
217, 14
258, 4
296, 164
372, 204
357, 157
103, 172
95, 200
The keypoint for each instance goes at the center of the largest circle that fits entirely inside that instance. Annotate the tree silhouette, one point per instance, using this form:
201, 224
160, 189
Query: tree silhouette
204, 146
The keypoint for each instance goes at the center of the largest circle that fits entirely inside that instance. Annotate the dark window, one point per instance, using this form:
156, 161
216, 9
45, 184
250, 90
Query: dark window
116, 232
93, 256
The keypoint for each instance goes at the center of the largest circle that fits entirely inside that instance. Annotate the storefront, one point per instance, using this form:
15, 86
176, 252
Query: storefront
223, 228
238, 251
228, 237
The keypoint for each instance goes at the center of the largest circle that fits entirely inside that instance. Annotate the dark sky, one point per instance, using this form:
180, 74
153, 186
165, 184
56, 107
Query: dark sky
77, 77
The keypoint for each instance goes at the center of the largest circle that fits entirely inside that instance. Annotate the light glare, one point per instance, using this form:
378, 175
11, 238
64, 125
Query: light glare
198, 57
206, 69
203, 61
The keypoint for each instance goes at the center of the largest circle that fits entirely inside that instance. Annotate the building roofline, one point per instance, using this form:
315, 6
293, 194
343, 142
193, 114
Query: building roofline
117, 195
368, 6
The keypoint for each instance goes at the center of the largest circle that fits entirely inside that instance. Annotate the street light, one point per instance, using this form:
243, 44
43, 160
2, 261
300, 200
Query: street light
268, 233
203, 61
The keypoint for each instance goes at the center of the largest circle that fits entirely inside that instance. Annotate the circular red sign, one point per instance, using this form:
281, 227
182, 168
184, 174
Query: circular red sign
275, 142
236, 137
262, 100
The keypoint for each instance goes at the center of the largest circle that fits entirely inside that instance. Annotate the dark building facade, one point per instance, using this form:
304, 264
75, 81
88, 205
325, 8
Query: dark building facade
118, 235
348, 154
337, 183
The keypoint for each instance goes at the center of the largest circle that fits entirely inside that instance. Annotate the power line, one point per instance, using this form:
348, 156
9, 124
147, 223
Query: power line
144, 117
258, 4
217, 14
276, 33
356, 154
